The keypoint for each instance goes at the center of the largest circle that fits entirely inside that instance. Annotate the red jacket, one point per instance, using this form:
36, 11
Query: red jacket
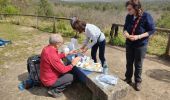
51, 66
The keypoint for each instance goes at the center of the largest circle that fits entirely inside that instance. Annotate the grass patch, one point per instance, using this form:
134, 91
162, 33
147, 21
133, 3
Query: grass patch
157, 44
118, 41
21, 41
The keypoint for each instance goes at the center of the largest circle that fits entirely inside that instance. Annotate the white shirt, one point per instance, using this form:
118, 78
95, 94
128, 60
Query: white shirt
92, 32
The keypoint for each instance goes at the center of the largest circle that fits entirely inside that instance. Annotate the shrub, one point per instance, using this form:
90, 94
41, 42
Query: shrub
106, 32
45, 8
164, 21
10, 9
65, 29
118, 41
157, 44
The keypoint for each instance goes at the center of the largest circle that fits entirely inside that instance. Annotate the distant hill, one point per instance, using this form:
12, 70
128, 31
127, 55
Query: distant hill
101, 0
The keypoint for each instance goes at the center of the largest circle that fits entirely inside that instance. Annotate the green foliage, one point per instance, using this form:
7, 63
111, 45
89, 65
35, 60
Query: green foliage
106, 32
7, 7
118, 41
10, 9
102, 6
65, 29
45, 8
46, 29
157, 44
4, 3
164, 21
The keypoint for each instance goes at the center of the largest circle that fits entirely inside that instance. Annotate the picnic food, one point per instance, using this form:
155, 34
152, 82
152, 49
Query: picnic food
87, 63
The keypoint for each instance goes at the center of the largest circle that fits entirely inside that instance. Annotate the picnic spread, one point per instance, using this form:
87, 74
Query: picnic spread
88, 64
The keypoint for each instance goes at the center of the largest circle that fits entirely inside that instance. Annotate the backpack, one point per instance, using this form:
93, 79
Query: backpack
33, 67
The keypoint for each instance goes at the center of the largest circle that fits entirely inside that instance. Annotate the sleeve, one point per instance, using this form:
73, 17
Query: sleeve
126, 23
86, 41
94, 41
58, 65
62, 55
150, 25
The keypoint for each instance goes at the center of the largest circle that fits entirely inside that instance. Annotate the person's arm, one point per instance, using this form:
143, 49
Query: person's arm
94, 41
150, 25
55, 61
85, 42
137, 37
62, 55
126, 34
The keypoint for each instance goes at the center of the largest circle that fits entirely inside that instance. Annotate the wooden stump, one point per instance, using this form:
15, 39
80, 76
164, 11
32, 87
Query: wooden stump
168, 47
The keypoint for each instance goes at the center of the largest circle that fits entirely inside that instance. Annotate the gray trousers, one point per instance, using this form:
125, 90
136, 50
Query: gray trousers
62, 82
134, 57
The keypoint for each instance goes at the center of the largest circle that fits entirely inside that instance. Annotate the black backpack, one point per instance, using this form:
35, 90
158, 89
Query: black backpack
33, 67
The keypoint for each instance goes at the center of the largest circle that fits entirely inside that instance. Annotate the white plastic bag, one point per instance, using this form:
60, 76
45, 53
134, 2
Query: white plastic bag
73, 45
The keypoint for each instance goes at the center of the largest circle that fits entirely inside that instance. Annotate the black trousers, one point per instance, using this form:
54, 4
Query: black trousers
101, 46
134, 57
62, 82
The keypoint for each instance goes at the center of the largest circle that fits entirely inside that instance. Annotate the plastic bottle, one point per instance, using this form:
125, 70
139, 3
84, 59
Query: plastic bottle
105, 68
21, 86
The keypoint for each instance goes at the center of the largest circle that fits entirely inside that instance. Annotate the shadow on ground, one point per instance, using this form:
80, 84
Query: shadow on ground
159, 74
74, 92
160, 59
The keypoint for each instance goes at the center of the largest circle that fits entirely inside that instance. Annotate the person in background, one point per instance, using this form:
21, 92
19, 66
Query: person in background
53, 73
94, 34
139, 26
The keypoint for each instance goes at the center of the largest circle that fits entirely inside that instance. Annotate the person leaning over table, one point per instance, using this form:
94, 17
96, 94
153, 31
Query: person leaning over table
94, 34
53, 73
139, 26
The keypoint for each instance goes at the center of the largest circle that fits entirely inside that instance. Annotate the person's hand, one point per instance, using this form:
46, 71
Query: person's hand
84, 50
75, 61
134, 37
126, 34
83, 47
72, 52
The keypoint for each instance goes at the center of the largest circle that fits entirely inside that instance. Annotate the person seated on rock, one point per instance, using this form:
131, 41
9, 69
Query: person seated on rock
53, 73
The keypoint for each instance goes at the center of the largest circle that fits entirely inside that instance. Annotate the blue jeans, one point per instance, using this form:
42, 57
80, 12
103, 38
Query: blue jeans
101, 46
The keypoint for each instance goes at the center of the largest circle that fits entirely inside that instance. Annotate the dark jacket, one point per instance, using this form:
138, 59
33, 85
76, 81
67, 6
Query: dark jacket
146, 24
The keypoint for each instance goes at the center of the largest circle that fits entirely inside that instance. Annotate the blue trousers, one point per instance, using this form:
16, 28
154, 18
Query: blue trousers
101, 46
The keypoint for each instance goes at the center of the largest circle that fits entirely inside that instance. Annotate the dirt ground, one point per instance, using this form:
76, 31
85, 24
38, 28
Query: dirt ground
156, 73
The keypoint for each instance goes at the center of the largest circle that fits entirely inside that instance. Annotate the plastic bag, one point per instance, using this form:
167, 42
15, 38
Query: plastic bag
73, 45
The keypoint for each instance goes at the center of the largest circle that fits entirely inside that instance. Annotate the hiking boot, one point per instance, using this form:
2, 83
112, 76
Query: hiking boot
128, 81
55, 93
138, 86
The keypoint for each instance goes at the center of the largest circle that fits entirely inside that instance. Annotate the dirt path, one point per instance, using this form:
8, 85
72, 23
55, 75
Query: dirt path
156, 75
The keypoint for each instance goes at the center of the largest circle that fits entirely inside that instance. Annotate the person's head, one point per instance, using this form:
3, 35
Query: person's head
56, 40
134, 7
78, 25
